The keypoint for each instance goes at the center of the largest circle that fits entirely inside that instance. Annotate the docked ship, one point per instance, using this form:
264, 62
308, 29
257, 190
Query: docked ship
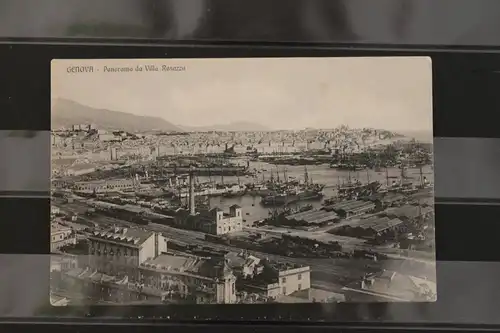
208, 170
292, 194
265, 188
258, 190
211, 190
294, 161
354, 188
204, 166
235, 190
347, 166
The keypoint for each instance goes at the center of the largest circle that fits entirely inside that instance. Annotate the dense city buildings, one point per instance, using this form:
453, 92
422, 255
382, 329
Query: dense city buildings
123, 249
309, 191
191, 229
60, 236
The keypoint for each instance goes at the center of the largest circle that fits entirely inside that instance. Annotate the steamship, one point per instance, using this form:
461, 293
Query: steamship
293, 194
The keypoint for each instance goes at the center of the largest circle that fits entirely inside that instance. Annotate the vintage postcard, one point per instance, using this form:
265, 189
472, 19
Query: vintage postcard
235, 181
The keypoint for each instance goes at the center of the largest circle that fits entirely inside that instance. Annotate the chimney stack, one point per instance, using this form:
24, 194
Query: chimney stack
192, 209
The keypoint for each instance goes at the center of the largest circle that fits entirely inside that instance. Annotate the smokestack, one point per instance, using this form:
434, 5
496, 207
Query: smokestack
191, 191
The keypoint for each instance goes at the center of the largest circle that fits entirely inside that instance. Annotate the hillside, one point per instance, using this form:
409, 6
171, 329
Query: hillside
66, 113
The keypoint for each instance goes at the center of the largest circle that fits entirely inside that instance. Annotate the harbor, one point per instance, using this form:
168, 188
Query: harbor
288, 200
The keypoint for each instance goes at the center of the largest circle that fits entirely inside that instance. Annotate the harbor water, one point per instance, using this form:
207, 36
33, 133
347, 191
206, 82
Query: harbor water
253, 210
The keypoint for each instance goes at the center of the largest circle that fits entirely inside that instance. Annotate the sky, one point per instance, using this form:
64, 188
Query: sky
279, 93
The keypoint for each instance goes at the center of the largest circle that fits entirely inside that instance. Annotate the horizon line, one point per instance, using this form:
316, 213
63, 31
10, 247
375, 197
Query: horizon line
182, 127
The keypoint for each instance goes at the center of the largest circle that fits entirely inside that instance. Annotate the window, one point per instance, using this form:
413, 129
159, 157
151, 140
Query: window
299, 287
233, 289
299, 277
283, 280
284, 290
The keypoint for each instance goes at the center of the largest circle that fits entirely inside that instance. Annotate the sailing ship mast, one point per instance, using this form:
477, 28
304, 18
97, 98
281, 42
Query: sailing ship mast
421, 176
210, 176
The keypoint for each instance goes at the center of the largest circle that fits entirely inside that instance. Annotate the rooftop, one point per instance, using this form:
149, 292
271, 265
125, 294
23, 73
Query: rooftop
175, 263
119, 282
95, 182
284, 266
56, 227
393, 197
185, 265
314, 216
82, 166
237, 260
63, 161
409, 211
132, 208
377, 223
130, 236
351, 204
396, 286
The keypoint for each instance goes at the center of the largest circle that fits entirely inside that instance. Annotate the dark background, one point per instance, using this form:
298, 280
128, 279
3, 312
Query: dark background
461, 37
464, 99
409, 22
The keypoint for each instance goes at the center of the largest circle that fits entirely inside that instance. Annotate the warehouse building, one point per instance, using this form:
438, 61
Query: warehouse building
351, 208
312, 218
106, 185
375, 228
409, 212
393, 200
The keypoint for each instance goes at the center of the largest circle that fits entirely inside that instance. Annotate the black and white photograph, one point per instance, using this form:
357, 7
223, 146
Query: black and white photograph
242, 181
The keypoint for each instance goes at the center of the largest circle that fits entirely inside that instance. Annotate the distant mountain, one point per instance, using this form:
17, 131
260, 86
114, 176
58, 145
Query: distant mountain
240, 126
66, 113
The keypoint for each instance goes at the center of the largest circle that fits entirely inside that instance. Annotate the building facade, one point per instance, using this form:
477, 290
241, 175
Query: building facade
389, 286
165, 279
193, 279
106, 185
122, 250
215, 222
278, 279
292, 279
100, 287
61, 236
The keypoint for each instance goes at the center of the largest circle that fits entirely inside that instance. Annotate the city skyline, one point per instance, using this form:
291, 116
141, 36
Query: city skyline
193, 215
287, 94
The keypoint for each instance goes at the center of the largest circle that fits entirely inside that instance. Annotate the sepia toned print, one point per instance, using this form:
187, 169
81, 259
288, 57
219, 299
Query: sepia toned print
236, 181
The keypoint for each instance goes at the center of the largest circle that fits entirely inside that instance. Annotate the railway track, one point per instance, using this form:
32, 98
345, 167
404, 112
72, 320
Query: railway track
334, 267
